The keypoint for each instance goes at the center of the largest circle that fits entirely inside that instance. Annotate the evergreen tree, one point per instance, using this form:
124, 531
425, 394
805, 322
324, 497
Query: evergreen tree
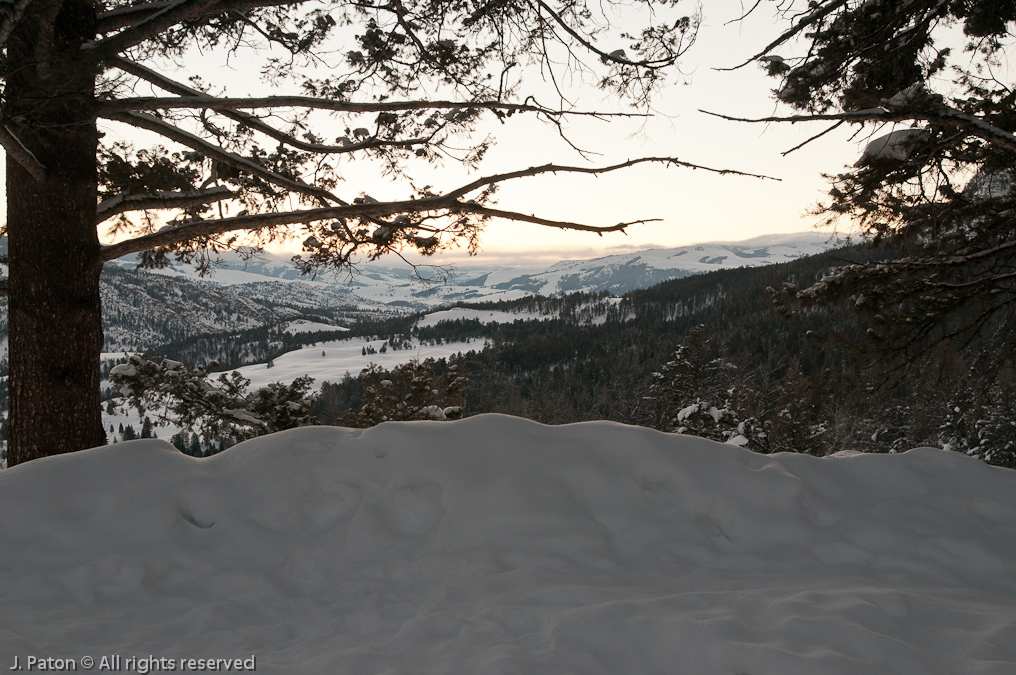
421, 76
218, 408
413, 391
695, 388
795, 424
194, 447
936, 180
179, 441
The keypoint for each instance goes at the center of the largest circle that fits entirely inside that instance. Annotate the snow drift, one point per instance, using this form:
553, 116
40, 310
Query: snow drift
497, 545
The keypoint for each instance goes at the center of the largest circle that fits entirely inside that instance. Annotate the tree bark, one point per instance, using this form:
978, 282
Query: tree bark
55, 313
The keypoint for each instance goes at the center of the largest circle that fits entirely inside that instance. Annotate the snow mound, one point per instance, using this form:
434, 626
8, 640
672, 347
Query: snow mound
497, 545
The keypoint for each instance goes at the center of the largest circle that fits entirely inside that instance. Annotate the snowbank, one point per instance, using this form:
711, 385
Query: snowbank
497, 545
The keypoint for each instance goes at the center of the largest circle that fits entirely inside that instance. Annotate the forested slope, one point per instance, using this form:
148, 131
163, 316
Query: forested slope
751, 375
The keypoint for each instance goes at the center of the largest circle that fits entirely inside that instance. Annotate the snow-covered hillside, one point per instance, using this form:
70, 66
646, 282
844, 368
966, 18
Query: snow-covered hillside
377, 285
496, 545
622, 273
141, 310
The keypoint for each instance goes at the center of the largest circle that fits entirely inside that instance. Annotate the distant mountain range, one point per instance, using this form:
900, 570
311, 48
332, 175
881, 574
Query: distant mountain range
142, 310
375, 287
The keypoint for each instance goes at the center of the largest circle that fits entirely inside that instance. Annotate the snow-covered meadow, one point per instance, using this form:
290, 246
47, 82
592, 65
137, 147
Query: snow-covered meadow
484, 316
331, 361
497, 545
328, 361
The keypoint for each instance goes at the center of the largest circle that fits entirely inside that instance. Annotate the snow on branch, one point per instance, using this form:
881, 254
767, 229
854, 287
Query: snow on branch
113, 206
129, 15
22, 155
218, 407
154, 24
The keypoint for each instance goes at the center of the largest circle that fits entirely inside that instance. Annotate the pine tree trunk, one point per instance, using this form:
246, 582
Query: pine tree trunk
55, 315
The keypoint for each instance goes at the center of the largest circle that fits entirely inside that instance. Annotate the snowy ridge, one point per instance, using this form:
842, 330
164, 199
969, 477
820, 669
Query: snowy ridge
497, 545
622, 273
145, 309
141, 310
375, 285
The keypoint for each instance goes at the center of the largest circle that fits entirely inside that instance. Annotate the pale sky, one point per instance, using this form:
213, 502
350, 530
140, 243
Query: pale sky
695, 206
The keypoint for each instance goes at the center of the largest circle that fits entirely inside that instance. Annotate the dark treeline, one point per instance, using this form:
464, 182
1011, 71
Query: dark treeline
750, 375
560, 371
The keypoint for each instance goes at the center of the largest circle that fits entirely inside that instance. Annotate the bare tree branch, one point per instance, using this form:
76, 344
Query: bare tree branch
229, 107
820, 12
560, 224
942, 115
200, 100
813, 138
449, 202
557, 168
4, 288
171, 132
163, 82
206, 228
659, 63
744, 15
21, 154
155, 23
113, 206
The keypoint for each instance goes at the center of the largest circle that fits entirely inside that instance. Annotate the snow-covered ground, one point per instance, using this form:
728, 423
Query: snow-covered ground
484, 316
496, 545
304, 326
331, 361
